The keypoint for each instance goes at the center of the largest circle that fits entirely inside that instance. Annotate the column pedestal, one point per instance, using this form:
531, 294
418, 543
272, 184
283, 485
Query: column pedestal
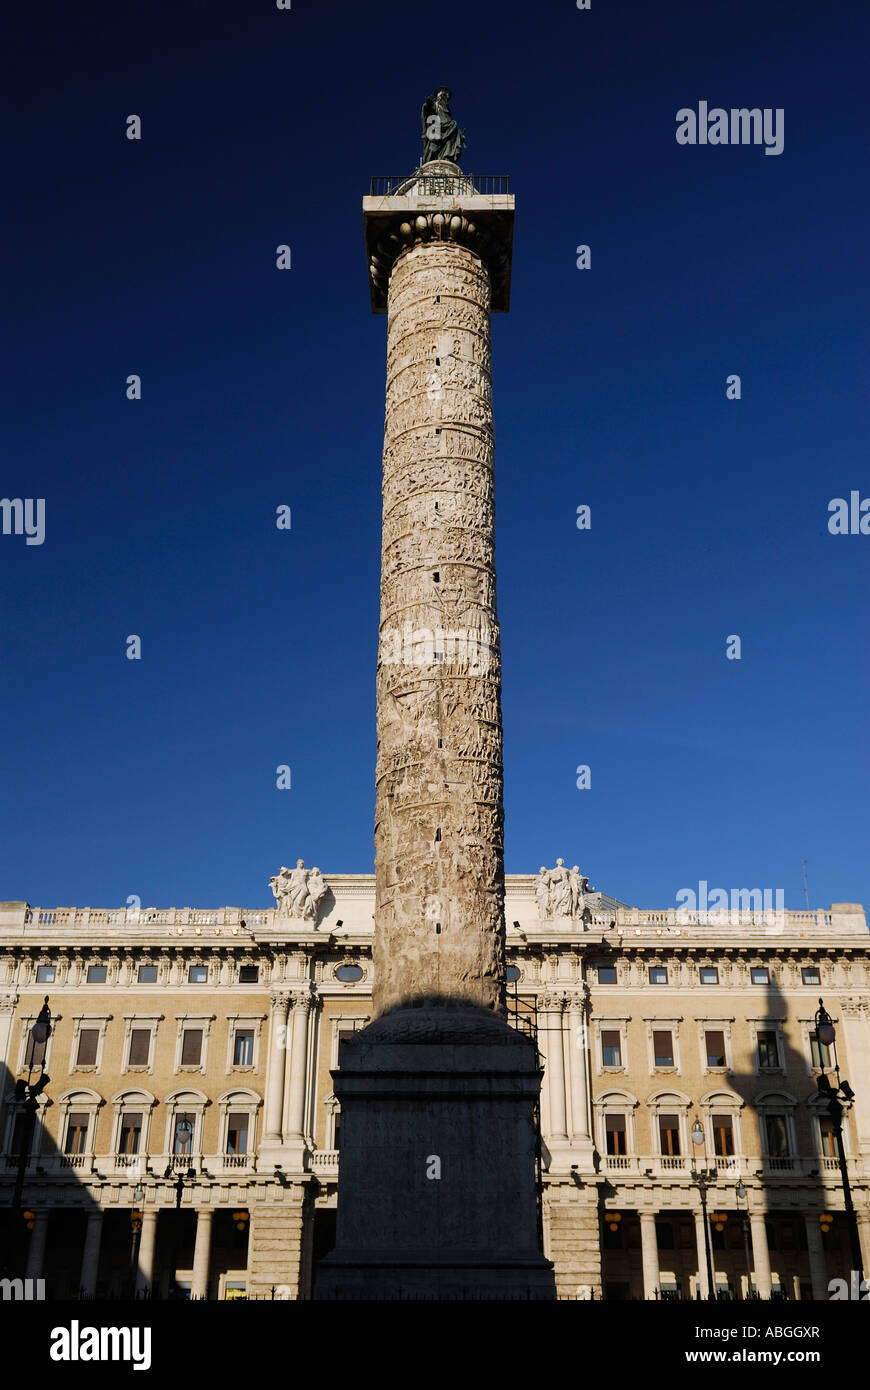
436, 1195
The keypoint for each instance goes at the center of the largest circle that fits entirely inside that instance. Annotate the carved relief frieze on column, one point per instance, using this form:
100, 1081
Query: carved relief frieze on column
439, 866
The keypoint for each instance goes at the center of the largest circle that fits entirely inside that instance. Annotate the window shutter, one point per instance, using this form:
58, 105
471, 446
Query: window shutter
87, 1054
140, 1046
191, 1047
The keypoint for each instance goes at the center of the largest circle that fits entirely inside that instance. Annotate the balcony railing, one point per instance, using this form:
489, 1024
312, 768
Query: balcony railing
440, 185
324, 1161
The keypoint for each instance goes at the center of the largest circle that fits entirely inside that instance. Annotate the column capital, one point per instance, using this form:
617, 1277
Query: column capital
278, 1002
459, 214
552, 1002
301, 1000
579, 999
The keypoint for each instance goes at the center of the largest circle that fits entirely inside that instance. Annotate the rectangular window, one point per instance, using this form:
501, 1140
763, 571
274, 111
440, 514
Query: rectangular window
777, 1136
131, 1131
828, 1137
810, 975
658, 975
249, 974
147, 975
614, 1129
611, 1048
96, 974
343, 1035
607, 974
197, 975
768, 1051
820, 1053
723, 1135
237, 1133
45, 974
183, 1132
87, 1053
760, 975
191, 1047
76, 1133
336, 1132
669, 1134
709, 975
243, 1047
663, 1049
140, 1047
715, 1044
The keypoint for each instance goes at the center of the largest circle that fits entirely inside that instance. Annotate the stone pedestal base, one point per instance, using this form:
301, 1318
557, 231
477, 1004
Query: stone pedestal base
277, 1255
437, 1190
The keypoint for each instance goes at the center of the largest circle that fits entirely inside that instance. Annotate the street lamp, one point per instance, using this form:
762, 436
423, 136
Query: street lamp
27, 1095
704, 1180
838, 1099
135, 1235
178, 1186
740, 1192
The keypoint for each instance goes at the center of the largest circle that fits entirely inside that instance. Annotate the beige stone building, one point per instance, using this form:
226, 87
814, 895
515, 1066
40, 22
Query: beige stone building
190, 1065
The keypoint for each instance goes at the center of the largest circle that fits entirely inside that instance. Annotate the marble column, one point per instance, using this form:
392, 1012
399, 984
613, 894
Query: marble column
554, 1059
649, 1253
7, 1016
439, 819
91, 1254
296, 1066
201, 1253
275, 1069
579, 1033
147, 1247
864, 1239
855, 1064
760, 1254
701, 1246
816, 1250
36, 1249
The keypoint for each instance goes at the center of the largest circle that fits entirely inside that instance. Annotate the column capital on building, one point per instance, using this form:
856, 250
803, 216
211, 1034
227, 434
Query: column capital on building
553, 1001
302, 999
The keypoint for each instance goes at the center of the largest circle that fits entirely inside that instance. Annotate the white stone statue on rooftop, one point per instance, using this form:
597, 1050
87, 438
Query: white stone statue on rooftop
560, 893
298, 892
542, 894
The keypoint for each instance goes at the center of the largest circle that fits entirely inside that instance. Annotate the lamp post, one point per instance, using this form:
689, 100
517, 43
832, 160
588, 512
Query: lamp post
185, 1129
839, 1099
135, 1235
704, 1180
27, 1095
740, 1192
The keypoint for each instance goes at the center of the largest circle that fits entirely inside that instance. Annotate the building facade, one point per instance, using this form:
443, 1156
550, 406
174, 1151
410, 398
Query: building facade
191, 1056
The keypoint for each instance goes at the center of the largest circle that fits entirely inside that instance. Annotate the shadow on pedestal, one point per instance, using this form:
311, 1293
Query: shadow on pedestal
437, 1189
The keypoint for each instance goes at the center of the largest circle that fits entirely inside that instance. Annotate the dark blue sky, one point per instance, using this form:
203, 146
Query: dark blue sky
709, 517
